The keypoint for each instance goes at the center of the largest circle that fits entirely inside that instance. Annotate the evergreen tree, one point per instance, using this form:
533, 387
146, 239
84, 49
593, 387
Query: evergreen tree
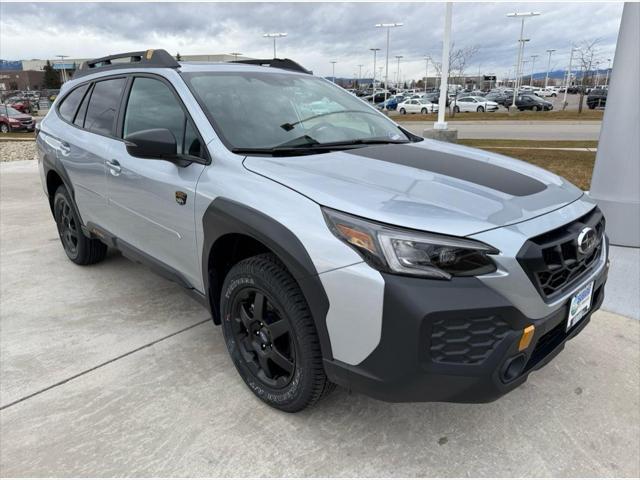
178, 57
51, 77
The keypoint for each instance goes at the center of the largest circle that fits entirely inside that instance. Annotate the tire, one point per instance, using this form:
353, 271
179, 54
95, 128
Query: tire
297, 380
402, 111
80, 249
456, 109
535, 108
4, 128
591, 106
423, 111
480, 109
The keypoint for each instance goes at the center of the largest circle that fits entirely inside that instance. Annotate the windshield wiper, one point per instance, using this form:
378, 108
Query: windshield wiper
290, 126
296, 147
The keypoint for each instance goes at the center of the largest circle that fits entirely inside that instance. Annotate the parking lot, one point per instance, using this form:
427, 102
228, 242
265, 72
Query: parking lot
111, 370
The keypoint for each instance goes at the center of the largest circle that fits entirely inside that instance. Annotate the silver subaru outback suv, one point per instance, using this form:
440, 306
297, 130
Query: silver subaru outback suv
332, 245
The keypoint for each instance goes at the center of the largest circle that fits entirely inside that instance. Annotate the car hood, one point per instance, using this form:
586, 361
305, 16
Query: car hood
22, 118
430, 185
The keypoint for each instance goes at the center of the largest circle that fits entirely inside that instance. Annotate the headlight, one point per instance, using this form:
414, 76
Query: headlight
409, 252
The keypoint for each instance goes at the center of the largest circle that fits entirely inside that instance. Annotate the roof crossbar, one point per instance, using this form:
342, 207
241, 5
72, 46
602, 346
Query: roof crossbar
144, 59
283, 63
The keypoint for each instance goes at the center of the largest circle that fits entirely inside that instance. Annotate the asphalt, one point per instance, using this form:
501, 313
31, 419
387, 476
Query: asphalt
110, 370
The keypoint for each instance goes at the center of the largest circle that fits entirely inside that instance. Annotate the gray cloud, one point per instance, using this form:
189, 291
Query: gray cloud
318, 32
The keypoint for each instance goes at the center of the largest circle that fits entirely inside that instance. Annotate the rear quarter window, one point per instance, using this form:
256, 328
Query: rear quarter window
69, 105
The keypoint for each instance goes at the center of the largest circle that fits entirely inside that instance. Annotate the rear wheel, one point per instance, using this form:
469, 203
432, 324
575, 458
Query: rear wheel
80, 249
271, 336
402, 111
456, 109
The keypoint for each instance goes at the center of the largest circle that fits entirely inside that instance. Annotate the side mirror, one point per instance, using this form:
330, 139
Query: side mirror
154, 143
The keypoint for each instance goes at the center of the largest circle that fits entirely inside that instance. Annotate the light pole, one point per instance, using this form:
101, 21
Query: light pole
275, 36
235, 55
597, 74
520, 47
568, 81
533, 63
426, 72
359, 74
398, 57
333, 70
444, 75
606, 79
63, 72
546, 78
388, 26
375, 51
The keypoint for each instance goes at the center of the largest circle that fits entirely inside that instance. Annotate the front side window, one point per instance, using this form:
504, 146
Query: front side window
103, 106
67, 109
151, 105
273, 109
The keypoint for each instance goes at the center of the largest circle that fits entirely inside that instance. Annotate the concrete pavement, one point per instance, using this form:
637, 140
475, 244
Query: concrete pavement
109, 370
519, 130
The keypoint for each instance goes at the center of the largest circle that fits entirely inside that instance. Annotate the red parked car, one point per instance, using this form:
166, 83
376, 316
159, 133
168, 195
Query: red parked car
13, 120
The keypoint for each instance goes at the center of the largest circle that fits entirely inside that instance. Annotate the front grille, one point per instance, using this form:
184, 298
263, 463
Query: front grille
552, 260
466, 341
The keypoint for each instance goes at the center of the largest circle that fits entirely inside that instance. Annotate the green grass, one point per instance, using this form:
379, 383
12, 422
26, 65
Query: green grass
505, 116
17, 135
488, 142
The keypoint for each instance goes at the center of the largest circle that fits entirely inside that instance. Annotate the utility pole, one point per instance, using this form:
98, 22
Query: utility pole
520, 48
388, 26
359, 74
426, 73
566, 85
546, 78
275, 36
333, 71
533, 63
374, 50
597, 81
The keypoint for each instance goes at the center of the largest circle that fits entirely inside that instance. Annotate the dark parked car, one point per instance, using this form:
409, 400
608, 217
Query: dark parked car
597, 98
12, 120
497, 97
528, 102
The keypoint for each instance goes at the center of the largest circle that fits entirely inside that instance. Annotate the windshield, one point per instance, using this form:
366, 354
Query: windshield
12, 112
267, 110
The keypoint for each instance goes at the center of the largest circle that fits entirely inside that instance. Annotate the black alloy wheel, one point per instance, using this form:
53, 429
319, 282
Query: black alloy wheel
264, 337
68, 228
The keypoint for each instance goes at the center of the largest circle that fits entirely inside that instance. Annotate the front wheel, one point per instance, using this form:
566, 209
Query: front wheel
423, 111
4, 128
535, 108
456, 109
480, 109
271, 336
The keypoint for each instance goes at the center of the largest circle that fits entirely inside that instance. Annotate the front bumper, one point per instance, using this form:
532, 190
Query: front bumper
454, 341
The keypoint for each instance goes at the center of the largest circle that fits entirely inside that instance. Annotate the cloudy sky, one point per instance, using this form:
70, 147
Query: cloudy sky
317, 32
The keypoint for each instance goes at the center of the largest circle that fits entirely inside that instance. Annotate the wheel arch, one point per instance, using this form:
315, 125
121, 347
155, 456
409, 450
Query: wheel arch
233, 231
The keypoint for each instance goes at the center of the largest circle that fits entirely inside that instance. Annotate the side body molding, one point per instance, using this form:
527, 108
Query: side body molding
223, 217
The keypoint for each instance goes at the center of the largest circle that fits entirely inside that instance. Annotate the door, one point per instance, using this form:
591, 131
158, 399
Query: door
152, 200
86, 140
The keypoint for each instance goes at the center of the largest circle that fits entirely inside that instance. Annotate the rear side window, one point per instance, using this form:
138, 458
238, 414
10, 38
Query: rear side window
82, 111
70, 103
152, 104
103, 106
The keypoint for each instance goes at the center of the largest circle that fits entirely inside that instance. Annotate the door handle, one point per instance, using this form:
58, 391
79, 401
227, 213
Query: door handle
114, 167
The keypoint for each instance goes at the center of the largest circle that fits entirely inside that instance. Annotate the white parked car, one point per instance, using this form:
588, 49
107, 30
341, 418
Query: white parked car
415, 105
547, 92
474, 104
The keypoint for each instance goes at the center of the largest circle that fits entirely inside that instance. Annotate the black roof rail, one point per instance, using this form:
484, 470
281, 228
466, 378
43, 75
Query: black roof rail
144, 59
283, 63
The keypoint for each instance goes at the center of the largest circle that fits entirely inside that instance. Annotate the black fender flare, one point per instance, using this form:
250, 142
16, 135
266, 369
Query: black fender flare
224, 216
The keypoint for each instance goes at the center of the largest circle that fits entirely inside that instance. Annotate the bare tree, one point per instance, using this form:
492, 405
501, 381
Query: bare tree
587, 54
459, 59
